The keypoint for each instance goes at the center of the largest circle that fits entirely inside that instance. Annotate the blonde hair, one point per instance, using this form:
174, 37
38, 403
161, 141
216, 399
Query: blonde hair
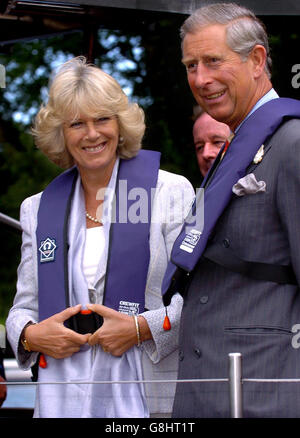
78, 89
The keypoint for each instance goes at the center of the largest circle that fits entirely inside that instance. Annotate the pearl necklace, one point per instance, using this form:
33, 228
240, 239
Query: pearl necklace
92, 218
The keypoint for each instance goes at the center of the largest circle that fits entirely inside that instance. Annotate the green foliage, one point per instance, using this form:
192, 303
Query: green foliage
23, 172
147, 63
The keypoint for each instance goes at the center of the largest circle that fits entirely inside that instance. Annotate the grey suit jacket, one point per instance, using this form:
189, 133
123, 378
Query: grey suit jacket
227, 312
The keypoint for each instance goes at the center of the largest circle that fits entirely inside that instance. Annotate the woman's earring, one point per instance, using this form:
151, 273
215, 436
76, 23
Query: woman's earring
121, 140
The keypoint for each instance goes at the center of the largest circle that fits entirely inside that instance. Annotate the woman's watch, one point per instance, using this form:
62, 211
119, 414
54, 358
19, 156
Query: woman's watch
24, 340
25, 345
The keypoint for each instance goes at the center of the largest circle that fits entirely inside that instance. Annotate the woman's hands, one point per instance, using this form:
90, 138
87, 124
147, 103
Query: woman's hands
118, 332
51, 337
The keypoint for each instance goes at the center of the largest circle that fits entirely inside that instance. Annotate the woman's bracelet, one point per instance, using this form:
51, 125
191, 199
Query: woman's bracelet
138, 335
23, 340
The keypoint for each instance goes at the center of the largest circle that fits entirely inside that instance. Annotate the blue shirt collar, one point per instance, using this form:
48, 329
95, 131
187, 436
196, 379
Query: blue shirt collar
268, 96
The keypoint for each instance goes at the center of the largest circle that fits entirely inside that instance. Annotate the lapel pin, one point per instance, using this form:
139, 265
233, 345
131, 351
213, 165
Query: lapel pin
259, 155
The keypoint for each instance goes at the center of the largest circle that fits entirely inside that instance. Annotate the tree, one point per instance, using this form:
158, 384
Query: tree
147, 63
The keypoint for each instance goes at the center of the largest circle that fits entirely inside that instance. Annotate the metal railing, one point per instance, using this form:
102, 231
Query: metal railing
10, 221
235, 363
14, 378
235, 383
235, 379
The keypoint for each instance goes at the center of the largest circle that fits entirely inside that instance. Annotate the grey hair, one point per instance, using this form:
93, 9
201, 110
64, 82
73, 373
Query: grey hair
244, 30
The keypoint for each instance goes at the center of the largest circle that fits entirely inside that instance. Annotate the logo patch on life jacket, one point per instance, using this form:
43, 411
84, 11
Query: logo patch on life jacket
129, 308
190, 241
47, 250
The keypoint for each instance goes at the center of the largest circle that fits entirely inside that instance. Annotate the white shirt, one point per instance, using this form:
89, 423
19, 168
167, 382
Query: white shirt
94, 247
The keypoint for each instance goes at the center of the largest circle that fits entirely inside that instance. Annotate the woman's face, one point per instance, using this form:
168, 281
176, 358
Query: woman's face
92, 142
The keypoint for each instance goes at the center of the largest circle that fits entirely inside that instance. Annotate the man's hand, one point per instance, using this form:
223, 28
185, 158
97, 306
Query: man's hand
52, 338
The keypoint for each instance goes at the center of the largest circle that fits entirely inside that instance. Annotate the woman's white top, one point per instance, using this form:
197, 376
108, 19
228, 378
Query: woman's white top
94, 247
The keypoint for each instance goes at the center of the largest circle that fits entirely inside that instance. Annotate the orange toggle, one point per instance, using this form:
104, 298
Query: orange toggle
42, 362
167, 324
85, 312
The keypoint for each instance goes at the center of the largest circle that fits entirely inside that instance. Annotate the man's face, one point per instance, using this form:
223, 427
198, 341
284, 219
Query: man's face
222, 84
209, 136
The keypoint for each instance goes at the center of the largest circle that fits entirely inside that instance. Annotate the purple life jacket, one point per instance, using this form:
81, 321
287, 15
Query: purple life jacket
129, 251
190, 245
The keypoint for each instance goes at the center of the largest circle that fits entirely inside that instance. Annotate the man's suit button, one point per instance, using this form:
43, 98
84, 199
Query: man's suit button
198, 352
226, 243
181, 355
204, 299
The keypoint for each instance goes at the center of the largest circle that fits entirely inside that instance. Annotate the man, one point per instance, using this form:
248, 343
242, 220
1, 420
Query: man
209, 136
239, 275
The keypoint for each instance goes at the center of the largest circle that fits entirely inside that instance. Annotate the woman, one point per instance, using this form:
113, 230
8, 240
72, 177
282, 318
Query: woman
85, 257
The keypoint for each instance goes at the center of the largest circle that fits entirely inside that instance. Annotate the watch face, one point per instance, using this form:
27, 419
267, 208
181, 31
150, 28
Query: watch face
23, 340
25, 345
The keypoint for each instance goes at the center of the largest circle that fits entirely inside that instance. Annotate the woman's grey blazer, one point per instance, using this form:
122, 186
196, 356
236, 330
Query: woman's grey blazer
173, 197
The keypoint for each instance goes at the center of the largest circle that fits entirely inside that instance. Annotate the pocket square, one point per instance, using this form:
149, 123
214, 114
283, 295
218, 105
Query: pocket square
248, 185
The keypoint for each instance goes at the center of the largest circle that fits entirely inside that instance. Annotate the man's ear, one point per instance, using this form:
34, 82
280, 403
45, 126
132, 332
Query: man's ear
258, 56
